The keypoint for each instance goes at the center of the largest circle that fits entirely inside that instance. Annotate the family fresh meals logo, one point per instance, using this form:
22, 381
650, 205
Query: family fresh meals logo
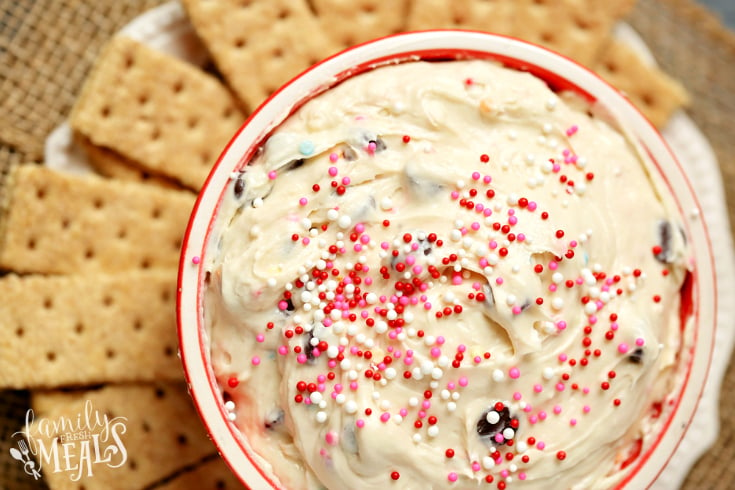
74, 445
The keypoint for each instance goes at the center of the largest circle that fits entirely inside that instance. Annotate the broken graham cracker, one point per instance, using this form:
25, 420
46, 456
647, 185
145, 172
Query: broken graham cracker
57, 223
349, 22
651, 90
578, 29
212, 473
158, 431
88, 329
169, 116
110, 164
259, 44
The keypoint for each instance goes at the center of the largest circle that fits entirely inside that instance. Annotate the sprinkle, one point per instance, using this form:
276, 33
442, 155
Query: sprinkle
195, 260
272, 174
306, 148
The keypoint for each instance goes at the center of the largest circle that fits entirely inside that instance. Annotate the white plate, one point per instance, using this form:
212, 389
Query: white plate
167, 29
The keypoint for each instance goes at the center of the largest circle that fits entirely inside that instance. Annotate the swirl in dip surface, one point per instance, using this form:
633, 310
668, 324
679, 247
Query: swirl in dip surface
443, 275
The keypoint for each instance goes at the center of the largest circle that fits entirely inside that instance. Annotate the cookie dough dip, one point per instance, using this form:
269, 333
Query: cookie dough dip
447, 275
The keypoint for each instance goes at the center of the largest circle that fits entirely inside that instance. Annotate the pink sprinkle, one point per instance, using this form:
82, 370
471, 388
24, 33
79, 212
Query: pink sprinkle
532, 206
640, 341
436, 352
333, 157
457, 279
538, 388
475, 225
516, 310
552, 288
338, 388
303, 201
572, 422
385, 245
475, 175
385, 417
585, 390
452, 476
332, 171
283, 350
282, 305
487, 179
272, 174
260, 337
195, 260
592, 319
426, 404
557, 409
586, 409
573, 243
477, 359
403, 412
613, 326
408, 360
368, 280
514, 373
492, 245
553, 265
532, 419
542, 415
360, 423
571, 130
461, 348
353, 385
346, 181
331, 438
256, 360
517, 396
476, 466
561, 325
499, 438
301, 358
499, 281
463, 381
560, 386
579, 281
504, 473
623, 348
512, 220
421, 414
540, 445
440, 340
357, 247
305, 240
521, 237
479, 207
451, 385
562, 357
521, 476
455, 195
487, 212
371, 147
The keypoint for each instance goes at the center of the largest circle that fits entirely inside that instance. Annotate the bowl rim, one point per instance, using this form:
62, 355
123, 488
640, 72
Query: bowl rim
560, 73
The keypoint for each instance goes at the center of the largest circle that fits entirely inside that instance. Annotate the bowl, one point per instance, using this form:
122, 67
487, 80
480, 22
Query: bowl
561, 75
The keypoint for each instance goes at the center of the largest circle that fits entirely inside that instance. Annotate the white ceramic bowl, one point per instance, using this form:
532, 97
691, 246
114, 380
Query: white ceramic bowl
561, 74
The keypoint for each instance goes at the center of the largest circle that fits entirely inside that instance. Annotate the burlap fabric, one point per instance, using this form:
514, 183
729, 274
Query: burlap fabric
47, 47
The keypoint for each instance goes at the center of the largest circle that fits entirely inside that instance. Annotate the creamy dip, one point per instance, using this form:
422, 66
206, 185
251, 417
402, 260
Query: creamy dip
443, 275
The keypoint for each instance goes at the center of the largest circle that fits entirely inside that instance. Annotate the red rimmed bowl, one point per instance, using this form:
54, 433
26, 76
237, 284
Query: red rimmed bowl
561, 74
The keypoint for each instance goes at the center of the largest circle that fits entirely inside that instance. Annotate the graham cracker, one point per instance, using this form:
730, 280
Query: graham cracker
58, 223
115, 166
652, 91
88, 329
259, 44
368, 19
158, 429
169, 116
575, 28
212, 473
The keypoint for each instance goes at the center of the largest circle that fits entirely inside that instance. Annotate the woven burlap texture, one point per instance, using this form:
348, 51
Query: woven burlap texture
48, 46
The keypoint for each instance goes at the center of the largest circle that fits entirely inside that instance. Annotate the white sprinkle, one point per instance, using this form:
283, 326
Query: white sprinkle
509, 433
397, 419
557, 303
229, 405
344, 222
332, 214
257, 202
350, 406
416, 438
551, 104
492, 417
498, 375
413, 402
548, 372
437, 373
321, 417
315, 397
451, 406
340, 399
488, 463
389, 373
386, 204
433, 431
